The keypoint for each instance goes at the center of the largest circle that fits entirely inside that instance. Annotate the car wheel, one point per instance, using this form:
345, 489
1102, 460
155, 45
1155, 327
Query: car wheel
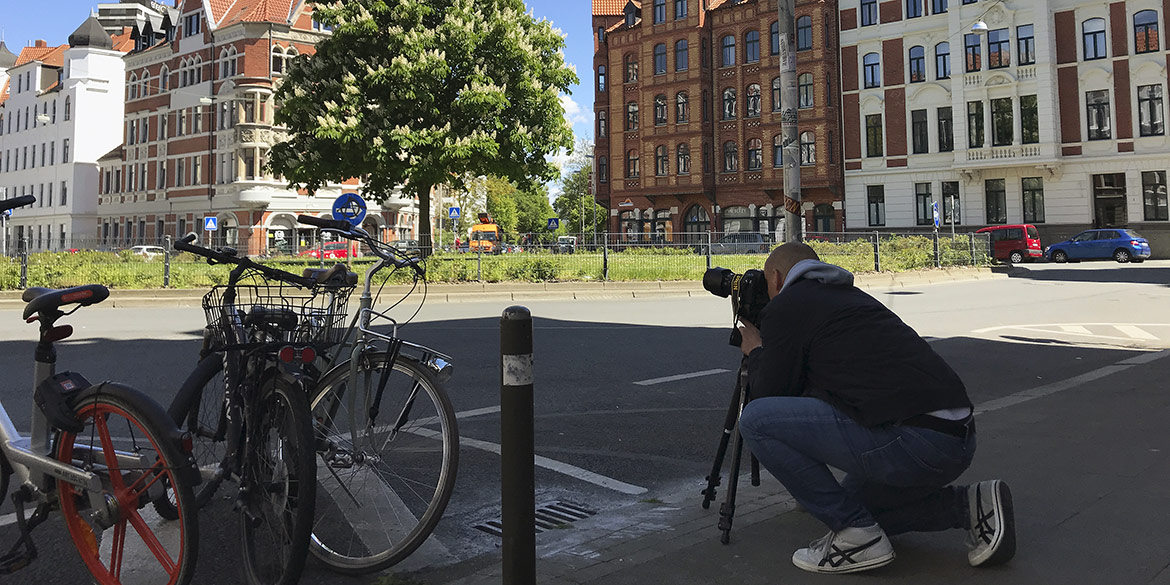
1016, 257
1122, 255
1060, 257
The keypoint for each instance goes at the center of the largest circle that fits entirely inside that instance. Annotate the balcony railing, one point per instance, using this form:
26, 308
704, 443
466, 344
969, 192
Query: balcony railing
1003, 152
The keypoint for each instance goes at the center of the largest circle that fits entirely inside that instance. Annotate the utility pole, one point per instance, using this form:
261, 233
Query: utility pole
791, 138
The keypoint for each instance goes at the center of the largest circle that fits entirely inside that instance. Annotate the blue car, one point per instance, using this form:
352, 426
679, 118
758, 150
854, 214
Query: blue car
1122, 245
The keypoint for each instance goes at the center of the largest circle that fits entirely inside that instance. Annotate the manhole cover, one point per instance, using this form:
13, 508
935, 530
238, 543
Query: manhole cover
548, 517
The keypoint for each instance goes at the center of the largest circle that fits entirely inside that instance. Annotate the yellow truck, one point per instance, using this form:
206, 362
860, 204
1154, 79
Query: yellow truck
485, 236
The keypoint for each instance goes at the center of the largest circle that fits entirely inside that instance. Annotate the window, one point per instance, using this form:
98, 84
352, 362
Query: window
1151, 121
682, 108
1002, 123
601, 34
1154, 195
873, 135
869, 12
923, 204
706, 157
659, 59
661, 161
974, 50
1027, 44
730, 157
999, 48
804, 89
67, 108
602, 124
919, 137
1093, 34
1029, 120
65, 150
631, 16
191, 25
1145, 31
803, 33
659, 11
660, 110
1097, 113
729, 104
975, 124
755, 154
777, 151
775, 94
917, 64
680, 9
950, 203
727, 57
876, 195
942, 60
681, 56
873, 70
632, 116
706, 105
808, 149
632, 170
1033, 199
996, 195
753, 101
631, 69
601, 78
913, 8
683, 159
751, 47
775, 36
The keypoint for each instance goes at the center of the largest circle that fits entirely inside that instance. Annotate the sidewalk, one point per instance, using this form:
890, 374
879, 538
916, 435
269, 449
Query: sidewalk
1088, 465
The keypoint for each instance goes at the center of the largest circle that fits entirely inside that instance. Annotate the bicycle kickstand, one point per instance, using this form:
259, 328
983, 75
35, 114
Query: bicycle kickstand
24, 551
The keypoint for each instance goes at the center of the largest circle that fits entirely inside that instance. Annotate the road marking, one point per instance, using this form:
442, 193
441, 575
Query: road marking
1136, 332
1079, 329
477, 412
681, 377
7, 519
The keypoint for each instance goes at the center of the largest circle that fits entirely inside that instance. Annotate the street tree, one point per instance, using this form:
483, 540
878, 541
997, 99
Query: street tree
419, 93
533, 211
576, 199
501, 203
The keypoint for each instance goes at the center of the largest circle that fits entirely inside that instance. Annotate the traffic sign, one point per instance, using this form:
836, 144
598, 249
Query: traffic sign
553, 223
453, 213
7, 213
350, 207
934, 209
210, 224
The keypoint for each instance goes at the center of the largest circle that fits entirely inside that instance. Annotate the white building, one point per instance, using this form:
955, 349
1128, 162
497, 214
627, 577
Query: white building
62, 112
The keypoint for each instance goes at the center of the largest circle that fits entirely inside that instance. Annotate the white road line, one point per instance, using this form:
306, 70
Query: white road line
7, 519
477, 412
681, 377
1024, 326
1136, 332
1080, 329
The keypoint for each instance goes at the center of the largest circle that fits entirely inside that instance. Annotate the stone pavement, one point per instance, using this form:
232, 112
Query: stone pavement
1088, 461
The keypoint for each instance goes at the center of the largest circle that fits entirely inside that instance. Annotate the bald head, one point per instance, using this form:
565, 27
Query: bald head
784, 257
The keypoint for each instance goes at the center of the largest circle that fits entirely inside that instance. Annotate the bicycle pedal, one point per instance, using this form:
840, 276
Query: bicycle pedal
11, 563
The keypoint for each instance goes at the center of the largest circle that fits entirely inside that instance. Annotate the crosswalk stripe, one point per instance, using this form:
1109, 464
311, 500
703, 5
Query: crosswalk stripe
1135, 332
1076, 329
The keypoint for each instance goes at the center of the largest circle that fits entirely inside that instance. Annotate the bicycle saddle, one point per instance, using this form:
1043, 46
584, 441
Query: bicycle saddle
44, 299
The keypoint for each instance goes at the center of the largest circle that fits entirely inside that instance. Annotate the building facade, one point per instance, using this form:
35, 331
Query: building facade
62, 112
198, 127
687, 135
1049, 112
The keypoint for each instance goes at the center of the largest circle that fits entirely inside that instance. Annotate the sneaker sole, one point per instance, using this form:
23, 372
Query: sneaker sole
1003, 548
851, 568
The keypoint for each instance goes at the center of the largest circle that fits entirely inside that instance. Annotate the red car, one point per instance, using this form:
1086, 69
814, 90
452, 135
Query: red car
1015, 243
333, 250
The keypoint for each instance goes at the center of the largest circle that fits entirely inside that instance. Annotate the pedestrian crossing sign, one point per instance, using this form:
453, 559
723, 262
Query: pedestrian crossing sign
210, 223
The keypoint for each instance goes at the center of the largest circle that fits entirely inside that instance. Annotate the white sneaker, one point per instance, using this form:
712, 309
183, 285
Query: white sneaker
852, 549
992, 538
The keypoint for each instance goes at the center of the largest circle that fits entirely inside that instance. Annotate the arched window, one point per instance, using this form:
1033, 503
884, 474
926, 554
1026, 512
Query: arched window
601, 78
602, 124
681, 56
729, 103
164, 78
775, 38
777, 151
755, 154
696, 222
1093, 34
631, 69
660, 110
223, 64
183, 73
804, 89
804, 33
234, 61
632, 170
730, 156
751, 47
629, 224
873, 70
727, 56
775, 94
1145, 31
683, 162
659, 59
808, 149
917, 64
753, 101
197, 73
661, 161
682, 108
632, 116
942, 60
277, 60
132, 87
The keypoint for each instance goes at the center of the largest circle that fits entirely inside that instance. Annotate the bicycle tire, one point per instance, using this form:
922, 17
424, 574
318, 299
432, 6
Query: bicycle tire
425, 486
156, 441
198, 409
278, 481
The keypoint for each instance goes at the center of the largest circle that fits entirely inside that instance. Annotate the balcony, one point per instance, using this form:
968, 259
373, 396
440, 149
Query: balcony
1004, 153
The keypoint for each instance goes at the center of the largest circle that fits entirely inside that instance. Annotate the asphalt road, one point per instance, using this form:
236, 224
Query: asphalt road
613, 396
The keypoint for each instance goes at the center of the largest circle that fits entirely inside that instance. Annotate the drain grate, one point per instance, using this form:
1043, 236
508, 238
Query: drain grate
548, 517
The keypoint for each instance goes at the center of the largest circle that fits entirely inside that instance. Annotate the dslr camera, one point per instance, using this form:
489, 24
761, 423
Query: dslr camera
748, 292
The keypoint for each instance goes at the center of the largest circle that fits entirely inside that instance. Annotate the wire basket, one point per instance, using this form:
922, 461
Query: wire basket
270, 311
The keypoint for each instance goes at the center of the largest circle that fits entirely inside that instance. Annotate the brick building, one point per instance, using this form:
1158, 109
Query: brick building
687, 116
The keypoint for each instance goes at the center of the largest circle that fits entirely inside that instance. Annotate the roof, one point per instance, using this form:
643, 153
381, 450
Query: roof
48, 55
91, 34
608, 7
115, 154
228, 12
7, 58
124, 42
4, 91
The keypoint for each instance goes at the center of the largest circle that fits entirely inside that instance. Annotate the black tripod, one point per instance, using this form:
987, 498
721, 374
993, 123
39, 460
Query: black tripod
739, 399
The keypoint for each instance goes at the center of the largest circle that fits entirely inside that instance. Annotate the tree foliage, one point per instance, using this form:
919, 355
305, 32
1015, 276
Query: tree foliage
576, 199
533, 210
421, 93
501, 203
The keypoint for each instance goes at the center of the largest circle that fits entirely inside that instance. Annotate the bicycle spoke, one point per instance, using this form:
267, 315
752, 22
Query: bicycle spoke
151, 541
153, 472
117, 549
109, 453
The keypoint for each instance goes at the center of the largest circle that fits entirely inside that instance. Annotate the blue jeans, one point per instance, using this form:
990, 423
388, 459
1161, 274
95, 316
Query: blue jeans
896, 476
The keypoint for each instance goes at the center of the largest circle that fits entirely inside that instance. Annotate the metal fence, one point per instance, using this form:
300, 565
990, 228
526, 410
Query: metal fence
581, 257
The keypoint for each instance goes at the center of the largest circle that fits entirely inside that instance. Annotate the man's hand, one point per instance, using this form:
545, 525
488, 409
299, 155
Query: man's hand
751, 337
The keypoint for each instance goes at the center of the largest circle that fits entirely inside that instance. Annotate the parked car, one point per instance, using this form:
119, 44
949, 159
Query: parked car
566, 244
408, 246
1014, 243
739, 243
147, 252
1120, 244
333, 251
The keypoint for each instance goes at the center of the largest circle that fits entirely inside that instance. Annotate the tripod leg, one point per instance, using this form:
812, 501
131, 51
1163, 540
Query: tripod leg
755, 471
727, 510
729, 427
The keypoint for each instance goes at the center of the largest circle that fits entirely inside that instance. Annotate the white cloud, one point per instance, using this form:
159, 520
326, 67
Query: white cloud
574, 114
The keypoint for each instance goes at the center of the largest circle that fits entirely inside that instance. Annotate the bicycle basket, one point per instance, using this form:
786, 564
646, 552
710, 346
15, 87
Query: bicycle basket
270, 311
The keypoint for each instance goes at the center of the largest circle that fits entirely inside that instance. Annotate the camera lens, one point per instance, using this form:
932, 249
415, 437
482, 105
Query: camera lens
718, 281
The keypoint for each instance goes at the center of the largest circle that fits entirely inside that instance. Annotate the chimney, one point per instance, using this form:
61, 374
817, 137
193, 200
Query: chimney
40, 44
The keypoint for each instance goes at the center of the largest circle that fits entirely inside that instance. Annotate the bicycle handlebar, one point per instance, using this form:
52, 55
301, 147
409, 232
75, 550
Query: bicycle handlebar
329, 224
15, 202
351, 232
222, 257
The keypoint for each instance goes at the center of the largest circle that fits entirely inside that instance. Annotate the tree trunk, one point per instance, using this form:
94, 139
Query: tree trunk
424, 213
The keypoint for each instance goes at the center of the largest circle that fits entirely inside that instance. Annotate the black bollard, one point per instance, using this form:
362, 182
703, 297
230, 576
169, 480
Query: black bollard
517, 459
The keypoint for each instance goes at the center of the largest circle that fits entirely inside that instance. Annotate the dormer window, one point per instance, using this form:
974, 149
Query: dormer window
631, 14
191, 25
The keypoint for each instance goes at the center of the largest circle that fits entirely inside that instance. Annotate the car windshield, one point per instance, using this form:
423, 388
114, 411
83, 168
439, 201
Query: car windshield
484, 236
1084, 236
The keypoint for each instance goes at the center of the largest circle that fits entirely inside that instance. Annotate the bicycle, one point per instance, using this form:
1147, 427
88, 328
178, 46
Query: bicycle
262, 326
369, 472
98, 453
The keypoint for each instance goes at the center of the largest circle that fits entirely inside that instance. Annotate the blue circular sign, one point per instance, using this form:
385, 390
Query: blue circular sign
350, 207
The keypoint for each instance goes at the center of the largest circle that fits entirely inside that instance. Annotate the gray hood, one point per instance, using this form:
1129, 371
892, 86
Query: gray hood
817, 270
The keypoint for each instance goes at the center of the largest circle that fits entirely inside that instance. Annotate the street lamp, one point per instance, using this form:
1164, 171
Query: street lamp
593, 192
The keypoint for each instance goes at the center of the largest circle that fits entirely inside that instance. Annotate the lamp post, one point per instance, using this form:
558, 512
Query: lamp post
45, 119
790, 149
593, 192
210, 102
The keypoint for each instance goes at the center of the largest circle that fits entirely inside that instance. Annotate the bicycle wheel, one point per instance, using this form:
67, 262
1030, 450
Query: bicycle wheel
198, 408
384, 483
277, 483
135, 450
